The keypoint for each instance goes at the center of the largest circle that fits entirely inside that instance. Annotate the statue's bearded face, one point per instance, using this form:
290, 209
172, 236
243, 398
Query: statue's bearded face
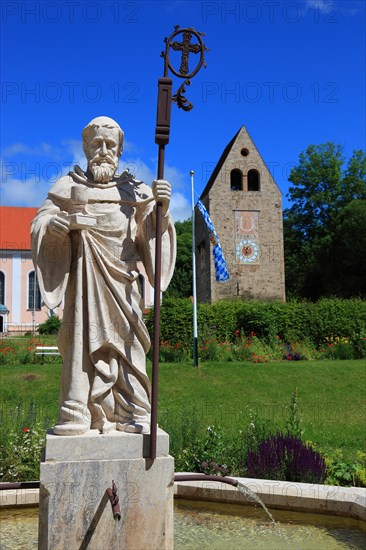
102, 154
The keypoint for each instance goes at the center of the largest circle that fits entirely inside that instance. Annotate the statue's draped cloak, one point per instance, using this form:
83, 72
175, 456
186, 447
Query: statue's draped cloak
103, 339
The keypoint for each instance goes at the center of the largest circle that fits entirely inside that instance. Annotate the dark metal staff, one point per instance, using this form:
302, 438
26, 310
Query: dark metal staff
162, 132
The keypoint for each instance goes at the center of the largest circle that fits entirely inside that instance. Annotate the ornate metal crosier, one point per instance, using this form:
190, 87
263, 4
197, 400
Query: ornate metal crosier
165, 84
162, 132
186, 47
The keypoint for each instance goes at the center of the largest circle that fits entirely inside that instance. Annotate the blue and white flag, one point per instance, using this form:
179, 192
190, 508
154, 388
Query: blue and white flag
221, 271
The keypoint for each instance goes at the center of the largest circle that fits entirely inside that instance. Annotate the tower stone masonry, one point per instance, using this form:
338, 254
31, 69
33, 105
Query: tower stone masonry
245, 205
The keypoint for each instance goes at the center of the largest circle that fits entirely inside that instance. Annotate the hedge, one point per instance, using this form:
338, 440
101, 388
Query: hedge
292, 321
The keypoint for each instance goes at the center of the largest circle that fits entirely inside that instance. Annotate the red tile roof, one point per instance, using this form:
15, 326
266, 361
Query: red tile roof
15, 227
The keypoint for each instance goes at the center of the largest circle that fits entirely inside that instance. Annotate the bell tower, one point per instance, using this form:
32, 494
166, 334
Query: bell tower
245, 205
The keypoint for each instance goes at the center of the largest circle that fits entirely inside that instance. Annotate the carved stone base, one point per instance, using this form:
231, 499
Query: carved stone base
75, 512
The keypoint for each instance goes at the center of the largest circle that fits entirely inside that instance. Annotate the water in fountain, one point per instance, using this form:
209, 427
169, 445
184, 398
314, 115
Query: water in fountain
251, 495
214, 526
218, 526
242, 488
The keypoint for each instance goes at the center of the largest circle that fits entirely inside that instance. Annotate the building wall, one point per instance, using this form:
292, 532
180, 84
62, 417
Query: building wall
6, 268
263, 278
16, 265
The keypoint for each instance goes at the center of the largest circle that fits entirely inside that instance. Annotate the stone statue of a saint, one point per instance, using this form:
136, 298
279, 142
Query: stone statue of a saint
87, 239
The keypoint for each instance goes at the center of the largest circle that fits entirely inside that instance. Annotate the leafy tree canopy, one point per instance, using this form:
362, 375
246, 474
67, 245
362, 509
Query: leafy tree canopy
181, 283
327, 209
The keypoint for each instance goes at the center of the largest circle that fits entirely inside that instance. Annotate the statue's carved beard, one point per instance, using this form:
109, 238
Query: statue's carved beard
103, 170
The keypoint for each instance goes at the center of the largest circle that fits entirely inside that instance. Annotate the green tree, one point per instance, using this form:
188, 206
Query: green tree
322, 190
343, 262
181, 283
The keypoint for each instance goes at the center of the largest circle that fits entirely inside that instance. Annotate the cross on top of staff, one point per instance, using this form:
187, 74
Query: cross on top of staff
186, 48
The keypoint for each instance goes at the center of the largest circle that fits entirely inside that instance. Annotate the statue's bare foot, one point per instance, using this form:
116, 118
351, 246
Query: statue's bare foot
134, 426
71, 429
107, 427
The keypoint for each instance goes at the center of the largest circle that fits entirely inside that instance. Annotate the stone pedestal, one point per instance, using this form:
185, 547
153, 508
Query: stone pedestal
75, 512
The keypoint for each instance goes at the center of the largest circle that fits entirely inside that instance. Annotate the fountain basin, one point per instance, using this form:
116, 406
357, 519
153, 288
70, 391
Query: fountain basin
212, 515
281, 495
214, 526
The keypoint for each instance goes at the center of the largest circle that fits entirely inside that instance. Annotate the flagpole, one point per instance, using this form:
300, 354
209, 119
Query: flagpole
194, 287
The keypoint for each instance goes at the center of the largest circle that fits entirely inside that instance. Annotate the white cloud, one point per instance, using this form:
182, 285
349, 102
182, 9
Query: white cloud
323, 6
147, 173
138, 168
180, 207
130, 148
16, 149
15, 192
43, 149
348, 7
75, 148
176, 178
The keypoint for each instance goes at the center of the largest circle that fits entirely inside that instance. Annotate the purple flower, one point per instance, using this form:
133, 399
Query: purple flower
286, 457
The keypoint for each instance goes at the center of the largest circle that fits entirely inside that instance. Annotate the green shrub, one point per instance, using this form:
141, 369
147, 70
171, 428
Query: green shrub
205, 451
218, 320
176, 320
294, 423
345, 472
20, 453
360, 477
51, 326
358, 341
341, 350
334, 317
22, 438
344, 348
212, 350
301, 350
173, 353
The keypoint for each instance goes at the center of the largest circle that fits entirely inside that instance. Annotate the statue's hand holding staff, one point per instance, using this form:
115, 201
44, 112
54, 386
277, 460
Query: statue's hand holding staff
162, 193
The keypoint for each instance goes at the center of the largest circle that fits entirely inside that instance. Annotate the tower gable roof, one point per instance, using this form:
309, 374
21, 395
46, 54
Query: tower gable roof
239, 134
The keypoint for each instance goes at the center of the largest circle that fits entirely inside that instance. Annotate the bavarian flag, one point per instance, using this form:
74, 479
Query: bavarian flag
222, 273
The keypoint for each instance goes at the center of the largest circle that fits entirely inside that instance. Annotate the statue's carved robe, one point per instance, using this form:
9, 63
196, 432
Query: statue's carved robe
103, 339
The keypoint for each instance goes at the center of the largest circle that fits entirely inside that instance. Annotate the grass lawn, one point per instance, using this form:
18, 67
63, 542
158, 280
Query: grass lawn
331, 397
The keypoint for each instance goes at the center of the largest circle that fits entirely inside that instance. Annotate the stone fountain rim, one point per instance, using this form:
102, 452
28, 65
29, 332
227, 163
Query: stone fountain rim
282, 495
298, 497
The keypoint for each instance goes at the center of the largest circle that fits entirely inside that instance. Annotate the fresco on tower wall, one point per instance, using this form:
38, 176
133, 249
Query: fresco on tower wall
247, 249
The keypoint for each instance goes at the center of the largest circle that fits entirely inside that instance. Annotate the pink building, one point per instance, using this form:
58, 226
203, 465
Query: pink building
21, 306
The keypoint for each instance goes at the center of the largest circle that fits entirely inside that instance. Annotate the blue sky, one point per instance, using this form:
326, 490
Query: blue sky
291, 71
